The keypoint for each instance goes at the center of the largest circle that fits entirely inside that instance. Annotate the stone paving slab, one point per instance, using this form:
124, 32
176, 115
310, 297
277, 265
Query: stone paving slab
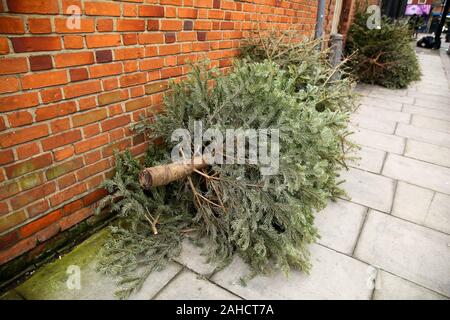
370, 123
412, 202
391, 287
333, 276
410, 251
339, 225
368, 159
368, 189
370, 100
190, 286
377, 140
428, 152
424, 135
385, 114
438, 216
192, 257
417, 172
430, 123
427, 112
390, 96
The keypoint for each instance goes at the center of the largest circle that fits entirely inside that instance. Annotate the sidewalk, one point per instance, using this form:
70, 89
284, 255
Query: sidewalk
391, 241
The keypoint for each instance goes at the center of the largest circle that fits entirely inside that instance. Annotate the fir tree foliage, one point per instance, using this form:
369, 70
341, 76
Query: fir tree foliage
267, 220
382, 56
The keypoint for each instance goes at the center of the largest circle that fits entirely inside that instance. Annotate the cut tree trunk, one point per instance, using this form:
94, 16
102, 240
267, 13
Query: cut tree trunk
167, 173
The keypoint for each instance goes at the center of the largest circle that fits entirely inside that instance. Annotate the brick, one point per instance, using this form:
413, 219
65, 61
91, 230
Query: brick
156, 87
169, 49
82, 89
13, 65
115, 122
8, 240
62, 139
27, 150
188, 25
105, 70
72, 207
9, 84
133, 79
66, 4
11, 220
38, 63
153, 25
78, 74
75, 218
201, 36
23, 135
102, 9
20, 118
187, 13
67, 181
60, 125
35, 6
169, 37
128, 53
32, 44
105, 25
110, 97
86, 26
103, 56
21, 168
93, 169
30, 181
147, 38
130, 10
40, 224
130, 25
171, 72
171, 25
46, 79
68, 194
51, 95
48, 232
17, 249
39, 25
6, 156
32, 195
91, 130
74, 59
119, 146
4, 45
151, 64
89, 117
8, 190
63, 154
37, 208
12, 25
73, 42
64, 168
151, 11
94, 196
99, 41
129, 39
138, 104
90, 144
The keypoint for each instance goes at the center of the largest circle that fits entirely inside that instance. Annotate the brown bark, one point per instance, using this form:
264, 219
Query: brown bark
165, 174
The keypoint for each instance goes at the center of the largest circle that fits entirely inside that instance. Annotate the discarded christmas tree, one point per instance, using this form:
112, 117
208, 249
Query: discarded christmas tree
382, 54
268, 220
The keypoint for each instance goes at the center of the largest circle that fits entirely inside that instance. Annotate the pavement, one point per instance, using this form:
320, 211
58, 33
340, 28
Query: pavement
391, 241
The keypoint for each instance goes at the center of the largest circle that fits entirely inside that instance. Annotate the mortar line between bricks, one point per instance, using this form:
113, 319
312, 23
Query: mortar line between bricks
393, 196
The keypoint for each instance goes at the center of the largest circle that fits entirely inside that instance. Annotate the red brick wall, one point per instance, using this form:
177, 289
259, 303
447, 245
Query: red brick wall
67, 97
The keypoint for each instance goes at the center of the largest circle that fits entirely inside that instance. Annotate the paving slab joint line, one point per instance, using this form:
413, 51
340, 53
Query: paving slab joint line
168, 282
366, 214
